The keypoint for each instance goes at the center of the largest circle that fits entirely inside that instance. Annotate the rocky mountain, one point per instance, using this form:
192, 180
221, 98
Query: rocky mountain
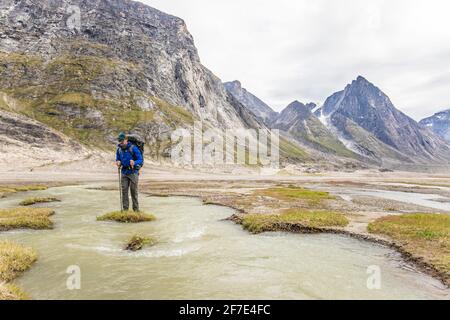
250, 101
74, 73
89, 69
24, 138
367, 122
300, 123
439, 123
312, 106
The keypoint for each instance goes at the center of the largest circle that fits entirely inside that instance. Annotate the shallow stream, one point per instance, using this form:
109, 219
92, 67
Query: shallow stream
199, 256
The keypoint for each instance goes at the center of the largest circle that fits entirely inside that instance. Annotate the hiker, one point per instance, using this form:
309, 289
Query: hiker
130, 159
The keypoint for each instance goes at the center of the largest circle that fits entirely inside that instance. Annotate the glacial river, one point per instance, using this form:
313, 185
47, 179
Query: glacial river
199, 256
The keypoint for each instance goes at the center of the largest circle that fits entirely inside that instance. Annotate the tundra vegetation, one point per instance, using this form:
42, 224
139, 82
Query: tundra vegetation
127, 217
6, 190
296, 193
35, 200
137, 242
425, 235
25, 218
293, 218
66, 102
14, 260
263, 206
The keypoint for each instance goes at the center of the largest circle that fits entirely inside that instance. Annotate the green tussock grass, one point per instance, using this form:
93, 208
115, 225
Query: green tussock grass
25, 218
334, 145
14, 260
208, 202
318, 135
31, 201
129, 119
73, 98
295, 193
5, 190
292, 151
58, 93
29, 188
137, 242
174, 114
127, 217
257, 223
426, 235
10, 292
82, 69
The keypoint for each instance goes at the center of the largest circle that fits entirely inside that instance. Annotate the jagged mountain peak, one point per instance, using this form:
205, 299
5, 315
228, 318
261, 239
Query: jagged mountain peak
439, 123
444, 113
296, 104
299, 122
258, 107
361, 79
297, 107
311, 105
362, 91
362, 107
235, 84
362, 83
300, 105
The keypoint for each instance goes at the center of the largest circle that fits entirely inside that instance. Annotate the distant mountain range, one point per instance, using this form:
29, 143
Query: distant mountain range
130, 67
360, 121
299, 122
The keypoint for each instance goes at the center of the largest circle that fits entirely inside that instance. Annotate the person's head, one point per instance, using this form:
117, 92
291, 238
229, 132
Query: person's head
123, 139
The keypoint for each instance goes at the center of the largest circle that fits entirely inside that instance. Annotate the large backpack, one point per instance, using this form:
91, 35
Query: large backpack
139, 143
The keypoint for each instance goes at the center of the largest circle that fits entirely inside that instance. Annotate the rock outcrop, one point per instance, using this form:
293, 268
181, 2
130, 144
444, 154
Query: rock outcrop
439, 123
251, 102
299, 122
366, 120
24, 138
76, 73
92, 68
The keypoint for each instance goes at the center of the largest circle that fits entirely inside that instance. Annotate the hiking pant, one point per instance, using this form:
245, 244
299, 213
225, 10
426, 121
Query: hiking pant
130, 182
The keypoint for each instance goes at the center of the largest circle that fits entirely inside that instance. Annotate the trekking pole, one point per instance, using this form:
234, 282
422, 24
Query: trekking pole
120, 190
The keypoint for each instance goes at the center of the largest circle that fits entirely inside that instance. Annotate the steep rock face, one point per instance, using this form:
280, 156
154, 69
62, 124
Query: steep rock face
298, 121
92, 68
250, 101
312, 106
23, 138
439, 123
363, 105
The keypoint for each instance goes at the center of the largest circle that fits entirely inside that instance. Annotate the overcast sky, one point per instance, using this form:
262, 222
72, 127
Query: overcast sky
306, 50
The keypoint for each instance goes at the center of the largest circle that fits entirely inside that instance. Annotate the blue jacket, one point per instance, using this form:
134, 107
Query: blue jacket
124, 156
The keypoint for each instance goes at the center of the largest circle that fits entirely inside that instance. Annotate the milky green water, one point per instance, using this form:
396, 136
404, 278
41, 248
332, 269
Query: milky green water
200, 257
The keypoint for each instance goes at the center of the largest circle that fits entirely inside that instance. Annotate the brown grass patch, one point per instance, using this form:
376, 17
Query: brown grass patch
25, 218
425, 235
257, 223
127, 217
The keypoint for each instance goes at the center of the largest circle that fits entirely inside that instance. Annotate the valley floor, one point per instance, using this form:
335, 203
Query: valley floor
371, 202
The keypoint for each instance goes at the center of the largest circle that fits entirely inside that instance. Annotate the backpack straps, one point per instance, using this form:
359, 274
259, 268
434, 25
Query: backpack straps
131, 150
